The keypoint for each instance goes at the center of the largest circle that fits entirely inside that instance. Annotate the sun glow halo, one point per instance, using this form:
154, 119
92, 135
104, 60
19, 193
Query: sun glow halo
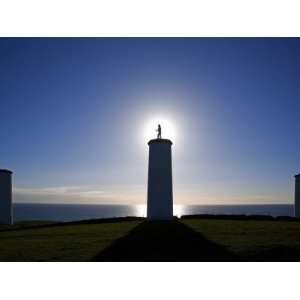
168, 130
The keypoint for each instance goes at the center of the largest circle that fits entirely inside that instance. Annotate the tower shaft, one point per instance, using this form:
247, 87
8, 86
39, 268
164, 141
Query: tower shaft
160, 186
6, 210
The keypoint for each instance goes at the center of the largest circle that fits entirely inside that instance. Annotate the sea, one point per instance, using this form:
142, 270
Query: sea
76, 212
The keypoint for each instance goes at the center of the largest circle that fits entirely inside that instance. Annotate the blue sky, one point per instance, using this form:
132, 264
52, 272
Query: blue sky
73, 112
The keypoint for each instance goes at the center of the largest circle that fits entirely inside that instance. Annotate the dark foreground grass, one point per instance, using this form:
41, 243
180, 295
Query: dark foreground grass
253, 240
139, 240
61, 242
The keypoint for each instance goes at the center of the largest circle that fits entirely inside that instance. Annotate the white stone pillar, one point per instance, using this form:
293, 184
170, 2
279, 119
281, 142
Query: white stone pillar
6, 209
160, 186
297, 196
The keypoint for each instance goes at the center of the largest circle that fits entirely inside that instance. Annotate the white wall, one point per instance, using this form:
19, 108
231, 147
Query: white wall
297, 196
6, 215
160, 189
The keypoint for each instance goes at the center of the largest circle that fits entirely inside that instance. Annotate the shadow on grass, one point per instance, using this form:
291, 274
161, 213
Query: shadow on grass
275, 254
164, 241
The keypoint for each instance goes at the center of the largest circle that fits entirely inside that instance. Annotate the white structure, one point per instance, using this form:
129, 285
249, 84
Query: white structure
6, 212
297, 196
160, 187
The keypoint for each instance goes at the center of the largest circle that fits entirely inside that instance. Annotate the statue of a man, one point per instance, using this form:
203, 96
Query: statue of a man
159, 131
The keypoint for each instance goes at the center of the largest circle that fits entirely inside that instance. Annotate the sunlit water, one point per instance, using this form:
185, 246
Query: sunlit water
73, 212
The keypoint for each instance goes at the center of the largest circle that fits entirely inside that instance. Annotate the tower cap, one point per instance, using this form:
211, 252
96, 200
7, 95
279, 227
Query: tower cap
297, 175
5, 171
159, 141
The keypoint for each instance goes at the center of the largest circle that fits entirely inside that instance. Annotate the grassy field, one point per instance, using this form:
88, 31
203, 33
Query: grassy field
138, 240
74, 242
252, 239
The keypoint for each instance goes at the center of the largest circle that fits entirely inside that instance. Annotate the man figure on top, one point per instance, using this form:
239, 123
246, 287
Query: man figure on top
159, 131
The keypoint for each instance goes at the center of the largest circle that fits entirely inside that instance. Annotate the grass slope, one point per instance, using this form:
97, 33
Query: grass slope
61, 242
134, 239
252, 239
